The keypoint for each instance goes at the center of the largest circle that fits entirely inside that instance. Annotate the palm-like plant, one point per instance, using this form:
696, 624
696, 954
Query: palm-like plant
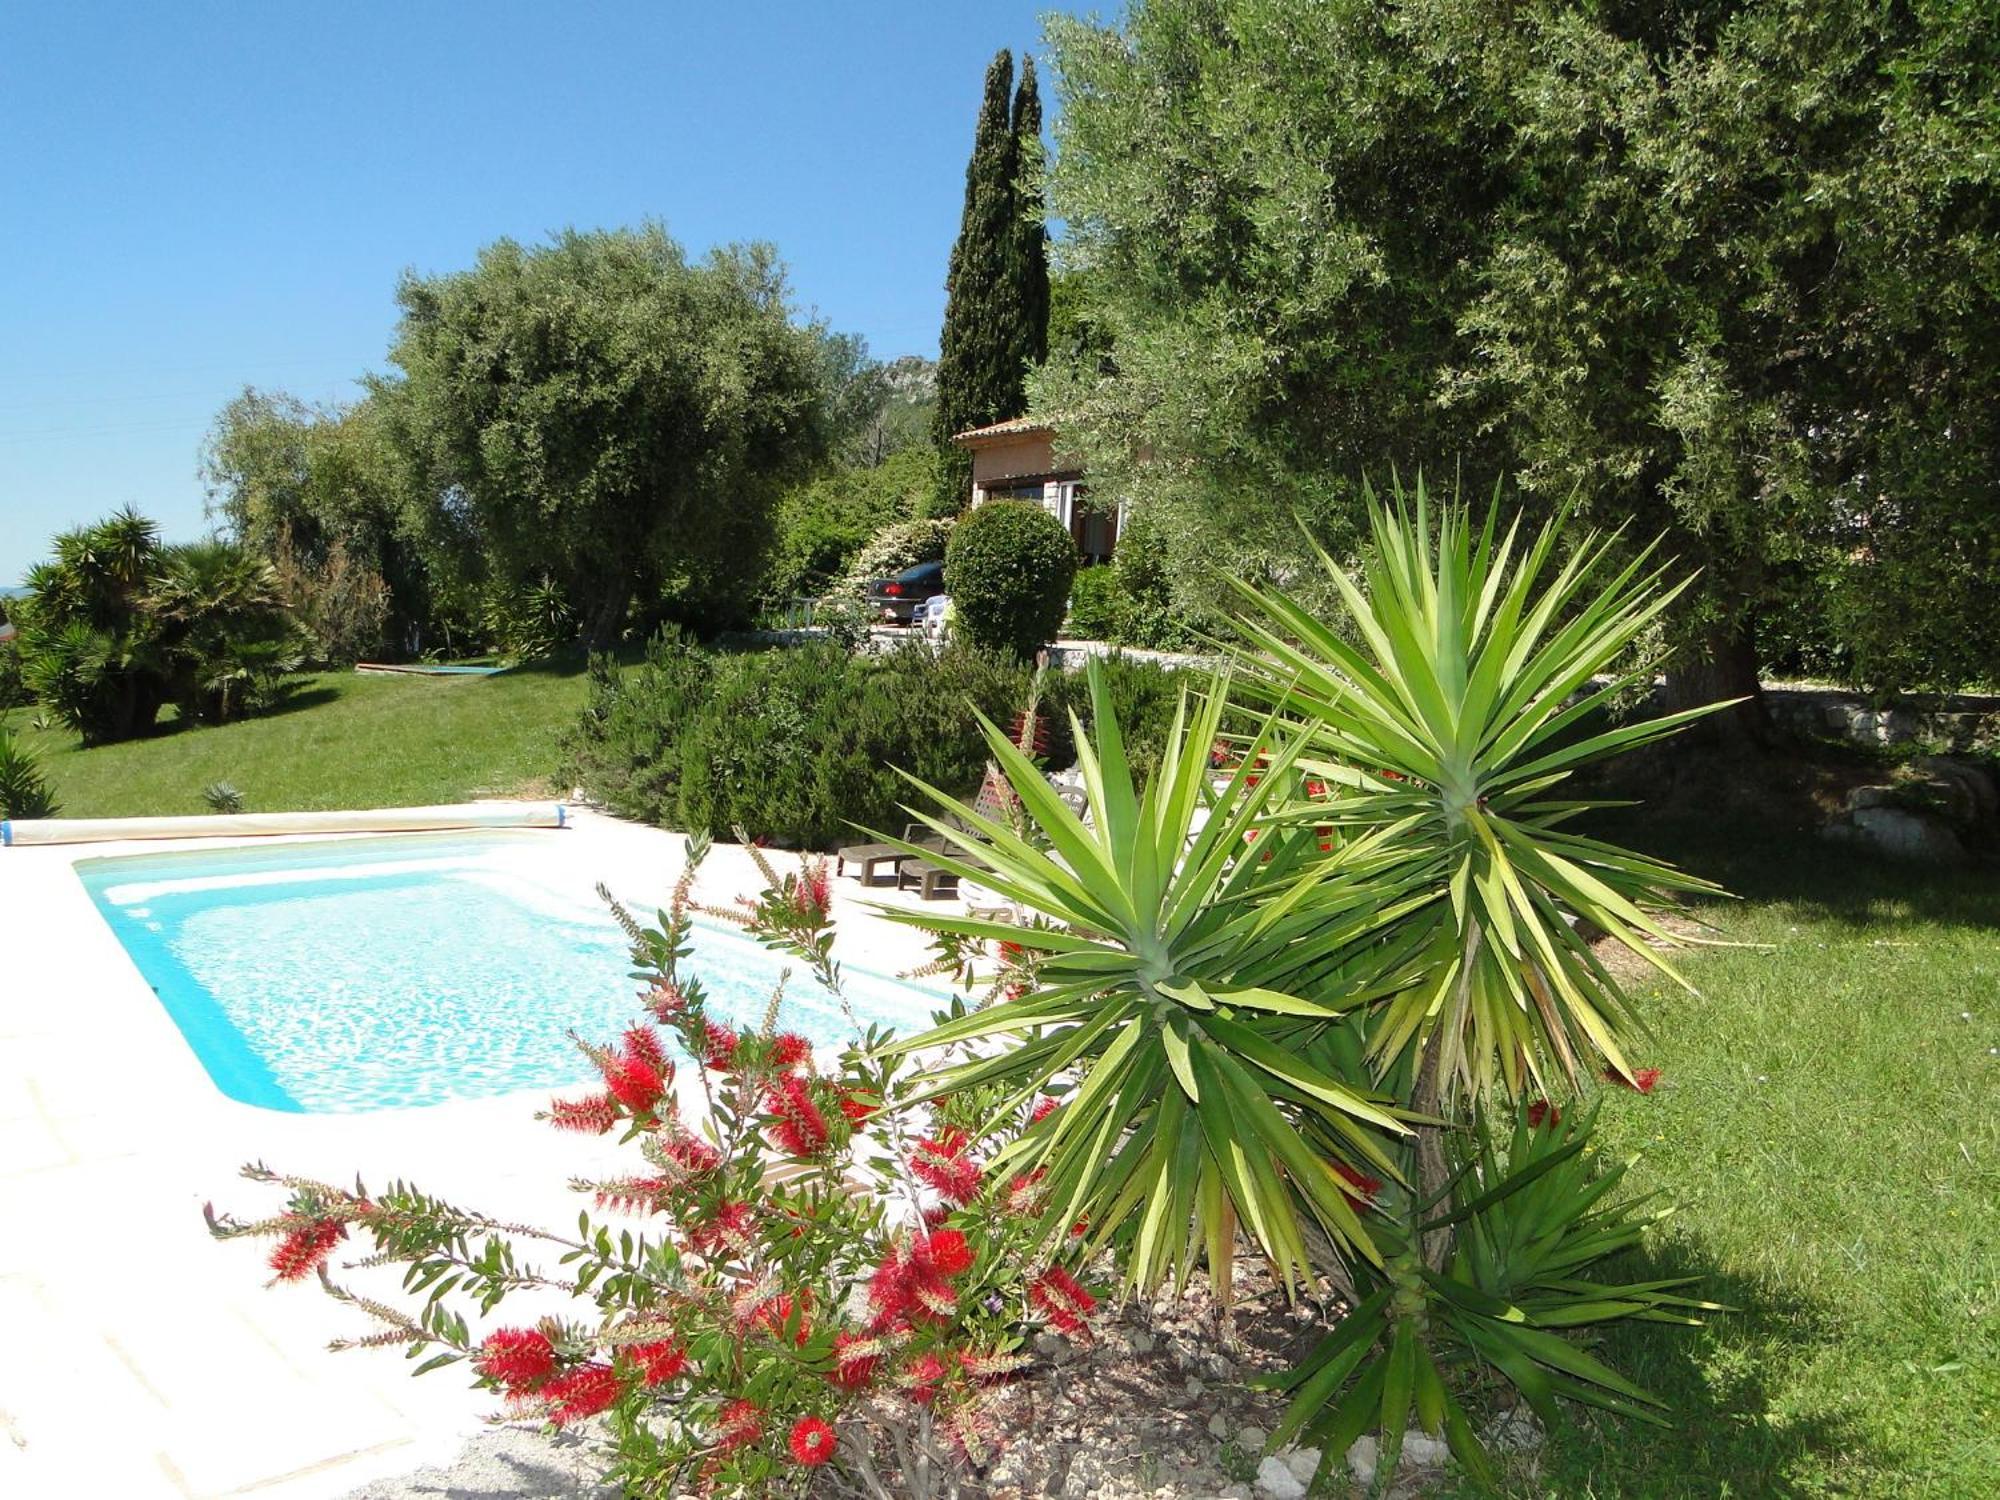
1468, 691
1371, 941
1202, 1099
226, 633
1529, 1225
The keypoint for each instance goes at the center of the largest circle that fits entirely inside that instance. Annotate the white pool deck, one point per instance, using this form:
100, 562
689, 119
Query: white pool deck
142, 1358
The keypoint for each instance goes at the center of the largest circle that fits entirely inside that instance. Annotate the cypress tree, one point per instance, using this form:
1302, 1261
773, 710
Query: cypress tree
1031, 230
979, 370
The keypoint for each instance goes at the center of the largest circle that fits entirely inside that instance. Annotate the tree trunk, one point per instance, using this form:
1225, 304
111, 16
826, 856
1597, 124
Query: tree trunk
1433, 1172
602, 633
1721, 666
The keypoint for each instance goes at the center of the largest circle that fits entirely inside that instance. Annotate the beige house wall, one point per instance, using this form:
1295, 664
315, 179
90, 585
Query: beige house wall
1029, 456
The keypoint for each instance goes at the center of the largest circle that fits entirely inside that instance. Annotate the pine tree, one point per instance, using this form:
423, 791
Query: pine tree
979, 359
1031, 231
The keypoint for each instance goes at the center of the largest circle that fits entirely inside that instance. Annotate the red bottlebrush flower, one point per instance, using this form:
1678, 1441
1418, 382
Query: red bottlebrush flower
719, 1045
773, 1313
946, 1251
642, 1042
889, 1290
917, 1285
635, 1195
1361, 1189
691, 1154
1541, 1110
658, 1362
789, 1050
518, 1358
855, 1360
583, 1392
634, 1083
1642, 1081
942, 1163
812, 892
855, 1107
1025, 1194
801, 1128
592, 1116
1062, 1300
1045, 1106
921, 1376
812, 1442
728, 1228
305, 1248
992, 1366
665, 1001
738, 1424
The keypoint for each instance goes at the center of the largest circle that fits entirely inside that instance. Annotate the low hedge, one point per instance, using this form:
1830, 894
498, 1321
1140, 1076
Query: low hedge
800, 746
797, 746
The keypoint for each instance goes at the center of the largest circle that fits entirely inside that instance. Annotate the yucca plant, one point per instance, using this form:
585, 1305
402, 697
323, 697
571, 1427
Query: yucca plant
1528, 1226
1377, 937
1193, 1085
1473, 684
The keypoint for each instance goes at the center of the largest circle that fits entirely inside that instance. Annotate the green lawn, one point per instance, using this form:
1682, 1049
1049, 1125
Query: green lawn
342, 740
1829, 1125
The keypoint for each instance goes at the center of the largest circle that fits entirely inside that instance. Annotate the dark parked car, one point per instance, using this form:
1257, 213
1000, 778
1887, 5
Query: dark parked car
896, 599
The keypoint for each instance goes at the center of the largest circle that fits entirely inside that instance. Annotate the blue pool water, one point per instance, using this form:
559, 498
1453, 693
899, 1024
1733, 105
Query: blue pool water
400, 970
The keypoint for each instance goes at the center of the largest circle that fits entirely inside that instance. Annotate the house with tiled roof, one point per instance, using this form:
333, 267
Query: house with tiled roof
1019, 460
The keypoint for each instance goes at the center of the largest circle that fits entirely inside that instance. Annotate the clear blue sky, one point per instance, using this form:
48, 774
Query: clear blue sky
198, 196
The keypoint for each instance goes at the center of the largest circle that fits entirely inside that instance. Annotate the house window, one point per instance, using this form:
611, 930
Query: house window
1034, 493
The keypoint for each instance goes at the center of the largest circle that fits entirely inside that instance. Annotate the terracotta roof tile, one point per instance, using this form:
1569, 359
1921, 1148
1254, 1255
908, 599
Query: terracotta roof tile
1012, 427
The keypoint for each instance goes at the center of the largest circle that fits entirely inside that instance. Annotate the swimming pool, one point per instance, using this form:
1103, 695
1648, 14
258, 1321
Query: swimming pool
413, 969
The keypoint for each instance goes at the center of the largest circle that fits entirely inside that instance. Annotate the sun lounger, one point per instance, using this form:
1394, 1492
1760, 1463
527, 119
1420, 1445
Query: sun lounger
870, 857
930, 880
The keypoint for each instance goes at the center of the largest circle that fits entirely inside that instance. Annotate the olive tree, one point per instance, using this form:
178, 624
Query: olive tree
613, 418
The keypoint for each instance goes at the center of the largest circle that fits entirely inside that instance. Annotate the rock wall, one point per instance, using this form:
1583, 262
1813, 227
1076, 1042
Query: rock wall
1959, 725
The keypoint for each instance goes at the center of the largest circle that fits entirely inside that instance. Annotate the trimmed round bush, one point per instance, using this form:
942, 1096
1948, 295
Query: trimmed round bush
1008, 568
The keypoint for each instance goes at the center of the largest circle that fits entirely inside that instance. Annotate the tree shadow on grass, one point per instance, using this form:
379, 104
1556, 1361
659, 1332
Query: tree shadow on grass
1775, 861
292, 700
1721, 1437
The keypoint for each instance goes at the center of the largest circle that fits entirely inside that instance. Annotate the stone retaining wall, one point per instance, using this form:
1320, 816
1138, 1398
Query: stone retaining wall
1956, 724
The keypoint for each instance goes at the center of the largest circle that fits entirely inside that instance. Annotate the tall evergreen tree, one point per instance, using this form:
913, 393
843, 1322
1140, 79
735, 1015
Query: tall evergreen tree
1031, 228
979, 377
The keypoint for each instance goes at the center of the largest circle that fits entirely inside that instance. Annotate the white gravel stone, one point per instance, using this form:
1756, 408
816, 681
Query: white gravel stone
1514, 1431
1195, 1389
1304, 1463
1250, 1439
1423, 1451
1361, 1459
1277, 1481
1218, 1425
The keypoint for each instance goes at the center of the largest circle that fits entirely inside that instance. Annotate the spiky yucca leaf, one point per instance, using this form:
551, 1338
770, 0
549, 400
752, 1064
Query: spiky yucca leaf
1191, 1079
1464, 694
1531, 1227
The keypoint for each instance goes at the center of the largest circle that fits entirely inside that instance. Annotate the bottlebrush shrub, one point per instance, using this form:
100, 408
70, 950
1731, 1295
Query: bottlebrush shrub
819, 1275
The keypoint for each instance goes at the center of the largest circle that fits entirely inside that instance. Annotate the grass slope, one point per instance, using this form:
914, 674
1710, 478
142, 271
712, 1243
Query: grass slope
343, 740
1827, 1126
